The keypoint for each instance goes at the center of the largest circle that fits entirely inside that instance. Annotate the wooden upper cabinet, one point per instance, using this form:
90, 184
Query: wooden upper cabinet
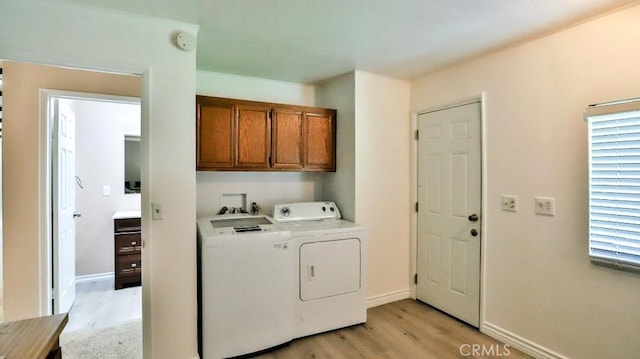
287, 138
319, 141
253, 126
214, 133
237, 135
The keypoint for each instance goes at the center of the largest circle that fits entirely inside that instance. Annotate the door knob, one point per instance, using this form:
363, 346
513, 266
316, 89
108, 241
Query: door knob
474, 232
77, 214
473, 218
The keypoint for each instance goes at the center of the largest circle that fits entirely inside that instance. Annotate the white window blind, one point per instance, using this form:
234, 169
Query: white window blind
614, 184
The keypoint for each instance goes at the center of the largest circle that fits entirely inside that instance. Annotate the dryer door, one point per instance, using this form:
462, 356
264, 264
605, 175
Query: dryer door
329, 268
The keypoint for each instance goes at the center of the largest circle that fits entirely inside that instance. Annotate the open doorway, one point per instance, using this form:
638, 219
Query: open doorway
27, 123
105, 185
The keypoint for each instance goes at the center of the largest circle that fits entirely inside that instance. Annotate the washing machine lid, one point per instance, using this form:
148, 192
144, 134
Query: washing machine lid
237, 225
241, 224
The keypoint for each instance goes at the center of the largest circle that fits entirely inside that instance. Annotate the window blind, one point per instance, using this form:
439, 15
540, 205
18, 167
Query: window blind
614, 183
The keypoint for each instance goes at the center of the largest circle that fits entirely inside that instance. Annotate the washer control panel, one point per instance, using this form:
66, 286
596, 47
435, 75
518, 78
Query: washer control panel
305, 211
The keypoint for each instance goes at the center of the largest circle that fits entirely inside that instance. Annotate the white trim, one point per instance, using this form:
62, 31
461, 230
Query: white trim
92, 277
526, 346
390, 297
484, 195
413, 221
45, 208
463, 102
98, 97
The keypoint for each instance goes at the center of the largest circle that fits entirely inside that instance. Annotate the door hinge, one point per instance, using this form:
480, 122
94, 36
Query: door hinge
417, 135
417, 206
415, 278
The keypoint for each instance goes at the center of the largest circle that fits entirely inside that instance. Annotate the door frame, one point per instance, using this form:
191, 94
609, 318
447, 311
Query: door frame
46, 198
483, 192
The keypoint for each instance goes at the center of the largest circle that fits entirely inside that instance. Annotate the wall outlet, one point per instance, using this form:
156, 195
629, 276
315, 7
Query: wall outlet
545, 206
510, 203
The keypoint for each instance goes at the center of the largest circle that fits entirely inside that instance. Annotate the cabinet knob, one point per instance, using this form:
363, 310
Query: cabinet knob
133, 265
133, 243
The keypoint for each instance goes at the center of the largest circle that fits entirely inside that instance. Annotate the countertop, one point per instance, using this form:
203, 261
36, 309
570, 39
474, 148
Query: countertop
31, 338
126, 214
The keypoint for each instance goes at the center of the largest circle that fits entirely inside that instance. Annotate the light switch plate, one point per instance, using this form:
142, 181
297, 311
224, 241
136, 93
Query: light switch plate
106, 190
545, 206
156, 211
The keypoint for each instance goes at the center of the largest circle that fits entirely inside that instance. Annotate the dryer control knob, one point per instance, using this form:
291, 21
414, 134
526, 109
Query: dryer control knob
285, 211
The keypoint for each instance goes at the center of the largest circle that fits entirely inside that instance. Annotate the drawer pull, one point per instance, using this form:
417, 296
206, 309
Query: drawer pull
134, 243
133, 265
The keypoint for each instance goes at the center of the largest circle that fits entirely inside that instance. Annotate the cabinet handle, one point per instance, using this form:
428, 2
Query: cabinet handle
133, 265
133, 243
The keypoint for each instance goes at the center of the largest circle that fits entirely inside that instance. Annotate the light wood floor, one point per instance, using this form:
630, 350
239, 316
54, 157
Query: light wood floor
404, 329
98, 305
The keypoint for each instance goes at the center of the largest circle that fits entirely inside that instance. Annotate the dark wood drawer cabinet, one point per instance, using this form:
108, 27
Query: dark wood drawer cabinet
128, 250
238, 135
128, 243
128, 264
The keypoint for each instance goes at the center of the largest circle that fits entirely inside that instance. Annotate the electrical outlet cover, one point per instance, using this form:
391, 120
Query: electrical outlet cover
509, 203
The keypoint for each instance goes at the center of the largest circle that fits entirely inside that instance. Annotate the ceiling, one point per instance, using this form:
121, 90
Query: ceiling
306, 41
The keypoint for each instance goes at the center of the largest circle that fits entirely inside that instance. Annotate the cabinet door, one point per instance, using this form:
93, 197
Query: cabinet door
287, 139
214, 133
253, 136
319, 141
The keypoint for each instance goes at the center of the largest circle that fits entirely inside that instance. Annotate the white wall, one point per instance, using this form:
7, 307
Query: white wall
265, 188
539, 286
371, 185
382, 143
100, 131
339, 93
77, 36
253, 89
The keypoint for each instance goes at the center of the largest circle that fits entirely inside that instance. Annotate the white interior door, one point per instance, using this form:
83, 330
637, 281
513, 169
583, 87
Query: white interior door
449, 194
63, 194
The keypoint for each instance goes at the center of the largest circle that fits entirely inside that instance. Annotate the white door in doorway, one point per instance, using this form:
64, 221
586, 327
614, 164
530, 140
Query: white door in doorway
63, 194
449, 197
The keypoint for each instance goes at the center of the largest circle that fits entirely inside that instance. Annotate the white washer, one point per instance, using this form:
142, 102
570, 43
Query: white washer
245, 282
330, 253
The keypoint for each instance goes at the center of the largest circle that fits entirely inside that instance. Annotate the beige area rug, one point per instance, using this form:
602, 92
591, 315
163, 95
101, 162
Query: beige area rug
123, 341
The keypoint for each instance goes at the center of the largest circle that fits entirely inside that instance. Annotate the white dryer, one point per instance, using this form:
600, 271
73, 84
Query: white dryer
331, 258
245, 300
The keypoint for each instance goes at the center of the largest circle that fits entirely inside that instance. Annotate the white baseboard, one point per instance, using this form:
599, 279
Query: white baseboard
381, 299
97, 276
524, 345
